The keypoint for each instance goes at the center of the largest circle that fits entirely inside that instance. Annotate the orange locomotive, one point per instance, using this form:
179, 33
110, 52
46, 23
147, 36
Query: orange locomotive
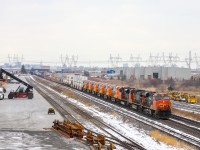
109, 91
96, 87
91, 85
156, 104
161, 105
85, 85
102, 89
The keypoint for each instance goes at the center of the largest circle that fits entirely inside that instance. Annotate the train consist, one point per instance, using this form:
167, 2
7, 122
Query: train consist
156, 104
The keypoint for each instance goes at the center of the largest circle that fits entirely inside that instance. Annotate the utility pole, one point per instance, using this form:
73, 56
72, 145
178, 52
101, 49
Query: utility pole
63, 61
115, 60
189, 60
154, 59
135, 60
197, 60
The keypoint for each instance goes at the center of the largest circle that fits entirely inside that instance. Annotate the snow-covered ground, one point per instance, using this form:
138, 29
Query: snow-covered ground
24, 124
25, 113
38, 140
129, 130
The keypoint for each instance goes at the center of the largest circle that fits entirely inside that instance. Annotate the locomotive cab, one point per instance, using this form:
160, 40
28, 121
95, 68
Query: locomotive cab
161, 106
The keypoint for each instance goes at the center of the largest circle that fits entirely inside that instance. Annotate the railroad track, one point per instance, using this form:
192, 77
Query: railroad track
195, 108
188, 122
132, 115
185, 125
59, 103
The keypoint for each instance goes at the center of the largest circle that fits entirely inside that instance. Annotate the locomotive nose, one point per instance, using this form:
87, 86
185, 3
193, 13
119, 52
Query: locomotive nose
163, 106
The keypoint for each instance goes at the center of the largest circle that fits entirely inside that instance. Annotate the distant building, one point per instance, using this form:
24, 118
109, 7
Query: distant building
125, 65
40, 69
163, 73
195, 75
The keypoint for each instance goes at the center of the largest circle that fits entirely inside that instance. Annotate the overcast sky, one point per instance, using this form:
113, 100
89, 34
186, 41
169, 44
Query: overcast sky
92, 29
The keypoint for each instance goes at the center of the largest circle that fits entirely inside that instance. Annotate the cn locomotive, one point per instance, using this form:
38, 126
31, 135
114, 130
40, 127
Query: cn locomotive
156, 104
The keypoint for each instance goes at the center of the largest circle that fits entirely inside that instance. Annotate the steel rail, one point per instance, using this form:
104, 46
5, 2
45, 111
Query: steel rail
129, 145
164, 128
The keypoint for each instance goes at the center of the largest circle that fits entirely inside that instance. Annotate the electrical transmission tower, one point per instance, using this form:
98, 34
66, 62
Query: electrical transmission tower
154, 60
115, 60
15, 60
63, 61
197, 61
170, 60
135, 61
74, 60
71, 61
189, 60
9, 59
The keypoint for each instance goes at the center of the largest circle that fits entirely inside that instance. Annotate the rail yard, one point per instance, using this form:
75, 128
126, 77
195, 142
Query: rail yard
93, 120
99, 75
168, 126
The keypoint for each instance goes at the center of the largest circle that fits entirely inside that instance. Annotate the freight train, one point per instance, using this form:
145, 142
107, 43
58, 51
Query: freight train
155, 104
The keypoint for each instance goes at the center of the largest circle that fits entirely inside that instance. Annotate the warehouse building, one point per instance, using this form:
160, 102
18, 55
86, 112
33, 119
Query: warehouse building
40, 69
163, 73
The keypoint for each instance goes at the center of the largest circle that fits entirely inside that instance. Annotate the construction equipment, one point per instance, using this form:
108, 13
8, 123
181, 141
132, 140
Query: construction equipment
182, 97
51, 111
192, 99
20, 92
177, 96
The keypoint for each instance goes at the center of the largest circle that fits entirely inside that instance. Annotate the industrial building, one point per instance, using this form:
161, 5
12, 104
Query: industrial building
40, 69
163, 73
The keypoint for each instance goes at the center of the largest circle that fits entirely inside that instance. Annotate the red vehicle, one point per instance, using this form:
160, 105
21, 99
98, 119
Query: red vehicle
20, 92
